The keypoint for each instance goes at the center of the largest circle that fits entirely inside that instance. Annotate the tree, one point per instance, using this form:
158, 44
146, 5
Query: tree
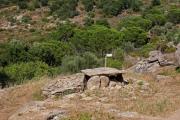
50, 52
23, 4
88, 4
156, 2
135, 21
174, 15
96, 39
135, 35
44, 2
64, 8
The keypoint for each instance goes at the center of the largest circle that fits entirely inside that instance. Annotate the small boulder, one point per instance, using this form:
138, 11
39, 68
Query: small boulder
112, 84
93, 83
104, 81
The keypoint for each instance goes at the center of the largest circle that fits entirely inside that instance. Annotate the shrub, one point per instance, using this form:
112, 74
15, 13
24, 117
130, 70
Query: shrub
88, 21
114, 63
158, 30
157, 19
178, 69
18, 73
72, 64
144, 51
156, 2
88, 4
50, 52
103, 22
135, 21
174, 15
136, 4
64, 8
36, 3
76, 63
96, 39
44, 2
118, 54
23, 4
26, 19
63, 33
135, 35
13, 52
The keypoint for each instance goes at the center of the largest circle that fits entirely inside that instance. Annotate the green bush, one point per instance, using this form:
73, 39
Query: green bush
118, 54
114, 63
44, 2
135, 21
144, 51
20, 72
88, 21
96, 39
23, 4
64, 8
103, 22
156, 2
63, 33
178, 69
26, 19
13, 52
157, 19
72, 64
136, 4
174, 15
76, 63
158, 30
50, 52
135, 35
88, 4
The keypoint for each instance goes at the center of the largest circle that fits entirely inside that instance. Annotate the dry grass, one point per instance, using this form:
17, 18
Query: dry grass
17, 96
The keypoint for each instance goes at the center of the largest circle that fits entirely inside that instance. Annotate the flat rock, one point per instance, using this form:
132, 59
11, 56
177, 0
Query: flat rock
102, 71
64, 86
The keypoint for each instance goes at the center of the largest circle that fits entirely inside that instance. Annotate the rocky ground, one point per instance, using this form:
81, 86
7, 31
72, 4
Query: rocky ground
146, 97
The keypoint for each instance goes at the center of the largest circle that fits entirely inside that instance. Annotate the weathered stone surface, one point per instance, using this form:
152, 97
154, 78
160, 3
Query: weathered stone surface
93, 83
64, 86
162, 77
104, 81
177, 55
156, 60
102, 71
37, 111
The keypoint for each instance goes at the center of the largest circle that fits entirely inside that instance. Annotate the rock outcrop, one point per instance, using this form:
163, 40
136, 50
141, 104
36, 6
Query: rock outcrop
177, 55
156, 59
63, 86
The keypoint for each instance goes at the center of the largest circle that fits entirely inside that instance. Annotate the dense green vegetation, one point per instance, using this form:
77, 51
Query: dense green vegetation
69, 48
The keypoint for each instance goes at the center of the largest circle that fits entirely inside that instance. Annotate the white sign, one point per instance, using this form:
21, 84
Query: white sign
108, 55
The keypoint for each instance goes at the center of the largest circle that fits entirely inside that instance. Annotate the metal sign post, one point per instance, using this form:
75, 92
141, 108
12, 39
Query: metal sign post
107, 55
